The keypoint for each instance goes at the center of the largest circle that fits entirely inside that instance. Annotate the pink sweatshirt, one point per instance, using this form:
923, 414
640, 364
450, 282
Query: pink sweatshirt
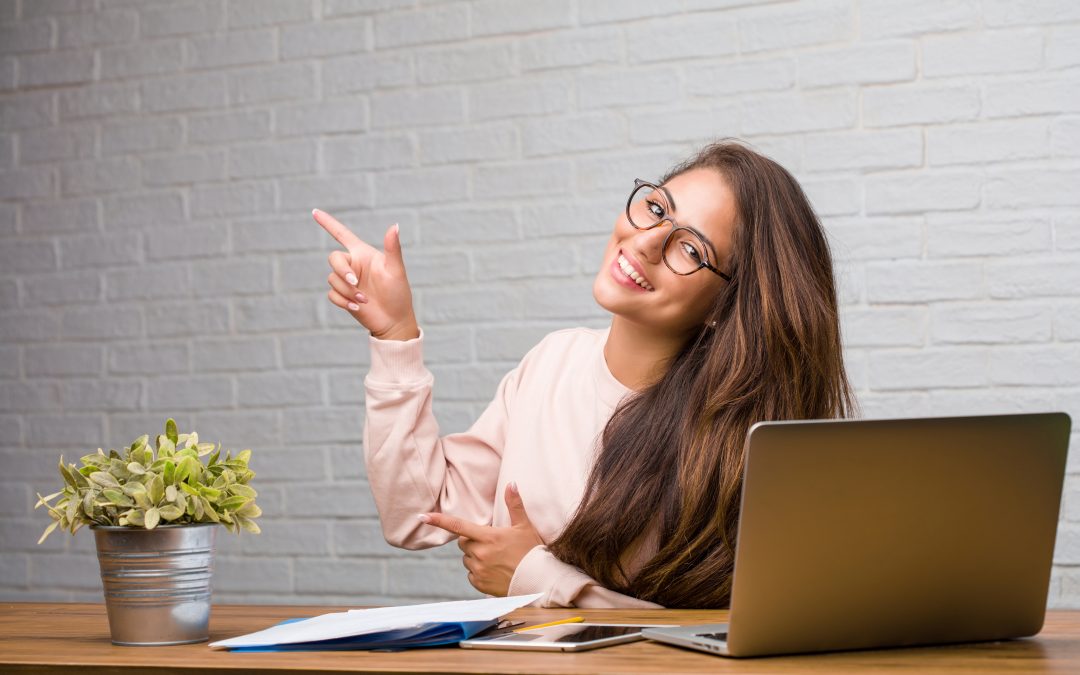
541, 430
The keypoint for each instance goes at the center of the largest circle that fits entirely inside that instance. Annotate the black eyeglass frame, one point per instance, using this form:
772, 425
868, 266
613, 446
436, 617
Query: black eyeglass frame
675, 226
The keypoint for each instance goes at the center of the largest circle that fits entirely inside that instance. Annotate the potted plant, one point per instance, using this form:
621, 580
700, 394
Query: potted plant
153, 515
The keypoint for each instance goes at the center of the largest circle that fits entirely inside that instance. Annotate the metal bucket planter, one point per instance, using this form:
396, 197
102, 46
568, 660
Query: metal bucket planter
157, 582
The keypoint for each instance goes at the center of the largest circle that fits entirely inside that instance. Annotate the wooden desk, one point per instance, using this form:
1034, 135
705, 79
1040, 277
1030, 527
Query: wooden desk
63, 637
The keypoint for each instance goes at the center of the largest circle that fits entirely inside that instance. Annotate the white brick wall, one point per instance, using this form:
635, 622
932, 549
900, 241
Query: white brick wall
159, 160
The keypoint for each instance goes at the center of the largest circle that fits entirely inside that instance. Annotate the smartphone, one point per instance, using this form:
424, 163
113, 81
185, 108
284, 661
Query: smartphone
568, 637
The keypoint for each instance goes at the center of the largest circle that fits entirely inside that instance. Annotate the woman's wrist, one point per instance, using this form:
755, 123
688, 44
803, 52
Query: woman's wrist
409, 331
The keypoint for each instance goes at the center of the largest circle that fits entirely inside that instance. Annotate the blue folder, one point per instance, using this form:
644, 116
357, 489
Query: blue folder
423, 635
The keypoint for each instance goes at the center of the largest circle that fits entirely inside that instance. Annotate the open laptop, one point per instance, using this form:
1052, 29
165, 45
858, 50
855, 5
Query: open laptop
857, 534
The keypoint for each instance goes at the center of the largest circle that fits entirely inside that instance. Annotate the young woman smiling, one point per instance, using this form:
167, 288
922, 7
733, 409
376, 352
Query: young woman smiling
607, 470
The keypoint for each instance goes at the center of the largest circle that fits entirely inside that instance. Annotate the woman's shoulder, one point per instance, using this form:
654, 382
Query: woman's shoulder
570, 341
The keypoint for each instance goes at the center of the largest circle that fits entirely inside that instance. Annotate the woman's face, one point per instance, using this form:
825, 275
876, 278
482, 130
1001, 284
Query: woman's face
672, 303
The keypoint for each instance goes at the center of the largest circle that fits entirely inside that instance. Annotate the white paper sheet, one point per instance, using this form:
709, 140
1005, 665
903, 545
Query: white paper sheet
377, 620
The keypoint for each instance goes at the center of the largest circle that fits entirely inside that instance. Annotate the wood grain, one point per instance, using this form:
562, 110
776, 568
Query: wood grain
74, 637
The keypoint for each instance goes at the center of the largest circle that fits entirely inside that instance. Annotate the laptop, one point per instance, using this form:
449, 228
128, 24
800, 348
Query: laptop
861, 534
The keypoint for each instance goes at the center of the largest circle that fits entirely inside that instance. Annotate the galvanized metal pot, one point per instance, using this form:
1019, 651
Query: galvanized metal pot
157, 582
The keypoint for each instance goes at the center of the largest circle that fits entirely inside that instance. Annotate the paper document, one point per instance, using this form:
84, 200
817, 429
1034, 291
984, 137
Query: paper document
380, 623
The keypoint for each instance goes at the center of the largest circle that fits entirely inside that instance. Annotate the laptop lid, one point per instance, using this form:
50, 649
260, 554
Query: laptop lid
872, 533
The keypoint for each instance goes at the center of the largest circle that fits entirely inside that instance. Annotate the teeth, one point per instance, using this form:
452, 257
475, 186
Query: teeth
629, 271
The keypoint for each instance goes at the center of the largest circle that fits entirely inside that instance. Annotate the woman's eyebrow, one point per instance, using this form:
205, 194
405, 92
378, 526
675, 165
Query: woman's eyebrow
671, 200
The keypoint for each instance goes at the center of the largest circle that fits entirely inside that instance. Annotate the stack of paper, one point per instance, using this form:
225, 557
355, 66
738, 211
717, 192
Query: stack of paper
429, 625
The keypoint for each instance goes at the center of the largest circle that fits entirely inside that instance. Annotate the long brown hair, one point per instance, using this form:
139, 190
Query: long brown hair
669, 469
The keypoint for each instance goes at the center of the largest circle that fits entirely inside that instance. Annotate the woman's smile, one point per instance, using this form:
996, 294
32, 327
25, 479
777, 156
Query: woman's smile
628, 272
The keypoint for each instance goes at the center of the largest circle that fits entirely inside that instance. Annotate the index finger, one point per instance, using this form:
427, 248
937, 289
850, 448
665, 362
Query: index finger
338, 231
462, 528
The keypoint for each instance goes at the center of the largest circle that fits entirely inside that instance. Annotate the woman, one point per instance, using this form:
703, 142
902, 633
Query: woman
724, 313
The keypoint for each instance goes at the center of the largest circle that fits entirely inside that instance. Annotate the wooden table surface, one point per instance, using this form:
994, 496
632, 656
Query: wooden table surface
74, 638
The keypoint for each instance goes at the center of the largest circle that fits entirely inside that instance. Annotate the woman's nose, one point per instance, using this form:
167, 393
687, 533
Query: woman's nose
650, 242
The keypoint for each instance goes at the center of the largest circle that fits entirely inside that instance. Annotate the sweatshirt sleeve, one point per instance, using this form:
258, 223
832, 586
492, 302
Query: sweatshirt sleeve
411, 468
565, 585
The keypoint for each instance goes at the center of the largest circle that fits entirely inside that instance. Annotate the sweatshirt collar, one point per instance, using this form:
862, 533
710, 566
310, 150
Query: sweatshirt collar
611, 391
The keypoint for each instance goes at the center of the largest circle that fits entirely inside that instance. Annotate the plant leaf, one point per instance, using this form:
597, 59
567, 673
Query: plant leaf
170, 512
249, 510
151, 518
104, 479
170, 493
156, 489
136, 468
248, 524
170, 430
48, 530
117, 497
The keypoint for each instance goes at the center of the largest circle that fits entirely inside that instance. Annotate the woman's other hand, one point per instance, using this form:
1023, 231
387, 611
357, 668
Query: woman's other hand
369, 284
492, 554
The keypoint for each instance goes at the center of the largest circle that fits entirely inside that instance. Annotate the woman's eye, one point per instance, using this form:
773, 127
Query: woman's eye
656, 209
691, 252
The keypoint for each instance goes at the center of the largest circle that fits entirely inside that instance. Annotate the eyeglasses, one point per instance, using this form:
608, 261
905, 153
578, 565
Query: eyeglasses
685, 249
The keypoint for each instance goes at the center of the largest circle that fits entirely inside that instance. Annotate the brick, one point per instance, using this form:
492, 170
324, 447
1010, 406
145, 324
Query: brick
239, 429
483, 142
32, 325
923, 281
786, 113
534, 178
274, 313
999, 12
98, 176
9, 299
96, 29
909, 192
154, 58
245, 13
986, 233
699, 35
891, 105
63, 360
325, 192
360, 539
995, 52
421, 186
184, 92
7, 73
459, 305
190, 393
1033, 278
578, 133
237, 277
1038, 188
69, 288
270, 235
873, 63
27, 111
865, 150
929, 368
145, 209
55, 68
1031, 96
613, 172
483, 62
68, 430
236, 48
437, 268
366, 72
99, 100
572, 48
336, 8
1063, 48
15, 500
607, 11
182, 18
48, 145
988, 142
104, 395
234, 354
28, 35
101, 323
189, 241
526, 97
184, 168
550, 220
464, 225
1065, 137
326, 39
352, 499
249, 574
147, 283
140, 135
988, 402
884, 327
28, 256
623, 88
562, 299
431, 25
323, 117
244, 125
333, 576
66, 571
787, 27
29, 396
833, 196
1067, 321
1044, 365
882, 18
711, 80
213, 201
530, 260
417, 108
339, 348
180, 319
1067, 233
371, 151
430, 578
283, 82
990, 323
277, 466
320, 425
27, 183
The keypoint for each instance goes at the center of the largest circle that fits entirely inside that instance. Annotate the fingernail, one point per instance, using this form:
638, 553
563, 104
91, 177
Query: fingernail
351, 278
360, 297
513, 486
423, 518
315, 212
397, 229
353, 306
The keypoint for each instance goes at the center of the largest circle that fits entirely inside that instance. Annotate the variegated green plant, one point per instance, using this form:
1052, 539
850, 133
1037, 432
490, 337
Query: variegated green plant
139, 489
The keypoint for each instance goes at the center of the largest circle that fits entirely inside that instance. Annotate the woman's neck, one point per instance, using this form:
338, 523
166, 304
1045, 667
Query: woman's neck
635, 355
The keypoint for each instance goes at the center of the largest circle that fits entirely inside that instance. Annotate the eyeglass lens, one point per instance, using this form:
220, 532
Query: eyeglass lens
683, 251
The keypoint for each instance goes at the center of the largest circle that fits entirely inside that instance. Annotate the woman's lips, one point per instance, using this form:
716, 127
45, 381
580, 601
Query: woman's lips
621, 278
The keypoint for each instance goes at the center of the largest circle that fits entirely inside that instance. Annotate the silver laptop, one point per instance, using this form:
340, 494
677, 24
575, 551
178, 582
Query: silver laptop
860, 534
